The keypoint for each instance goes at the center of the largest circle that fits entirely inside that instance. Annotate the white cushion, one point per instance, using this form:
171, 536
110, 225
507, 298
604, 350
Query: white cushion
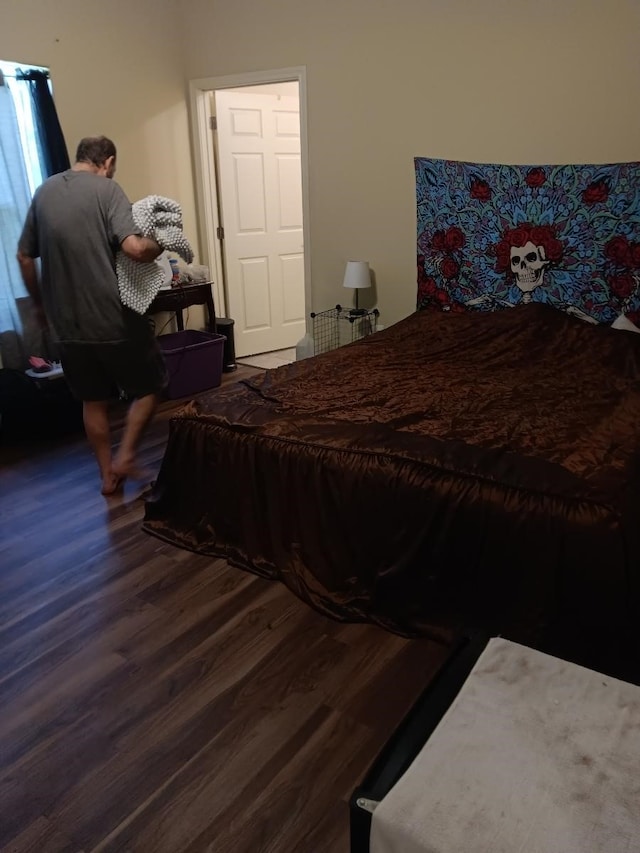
535, 754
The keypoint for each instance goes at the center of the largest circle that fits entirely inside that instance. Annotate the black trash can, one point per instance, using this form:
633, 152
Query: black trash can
224, 326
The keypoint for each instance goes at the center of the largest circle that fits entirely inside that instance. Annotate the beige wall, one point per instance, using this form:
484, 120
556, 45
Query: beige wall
116, 68
519, 81
500, 80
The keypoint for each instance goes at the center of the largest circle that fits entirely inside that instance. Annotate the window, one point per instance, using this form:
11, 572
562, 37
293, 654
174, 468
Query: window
24, 114
20, 175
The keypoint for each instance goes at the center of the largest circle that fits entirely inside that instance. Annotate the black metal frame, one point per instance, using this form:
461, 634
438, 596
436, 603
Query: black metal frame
330, 330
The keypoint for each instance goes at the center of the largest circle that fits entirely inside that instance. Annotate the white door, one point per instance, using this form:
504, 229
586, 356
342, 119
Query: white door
260, 182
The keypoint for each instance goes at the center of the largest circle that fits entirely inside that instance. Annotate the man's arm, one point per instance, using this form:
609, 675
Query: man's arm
28, 250
141, 249
29, 273
123, 231
30, 276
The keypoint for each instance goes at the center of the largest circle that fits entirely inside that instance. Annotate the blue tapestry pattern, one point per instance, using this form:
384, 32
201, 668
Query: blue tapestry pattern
492, 236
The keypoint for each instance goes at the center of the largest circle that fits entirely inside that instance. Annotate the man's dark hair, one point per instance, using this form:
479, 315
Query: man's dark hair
95, 149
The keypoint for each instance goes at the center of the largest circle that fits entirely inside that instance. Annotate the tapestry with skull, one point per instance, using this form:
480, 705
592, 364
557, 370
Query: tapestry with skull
494, 236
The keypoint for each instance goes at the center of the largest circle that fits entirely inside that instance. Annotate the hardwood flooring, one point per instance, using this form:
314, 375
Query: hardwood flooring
159, 701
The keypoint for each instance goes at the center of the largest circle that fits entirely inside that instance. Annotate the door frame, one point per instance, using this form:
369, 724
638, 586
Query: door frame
206, 188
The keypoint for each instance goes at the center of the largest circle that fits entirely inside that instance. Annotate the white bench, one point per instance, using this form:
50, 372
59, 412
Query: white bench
534, 755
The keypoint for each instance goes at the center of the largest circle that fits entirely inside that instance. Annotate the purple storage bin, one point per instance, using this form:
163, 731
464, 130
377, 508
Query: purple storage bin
193, 360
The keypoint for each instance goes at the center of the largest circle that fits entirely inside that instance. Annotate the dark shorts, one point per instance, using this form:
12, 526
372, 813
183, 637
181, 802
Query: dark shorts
101, 371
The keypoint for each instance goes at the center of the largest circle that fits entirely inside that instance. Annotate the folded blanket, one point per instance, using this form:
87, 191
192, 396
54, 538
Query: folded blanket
161, 219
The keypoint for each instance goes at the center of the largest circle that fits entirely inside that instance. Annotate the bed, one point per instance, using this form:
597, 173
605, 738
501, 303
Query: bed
466, 466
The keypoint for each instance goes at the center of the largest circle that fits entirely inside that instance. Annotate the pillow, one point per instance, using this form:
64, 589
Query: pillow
624, 323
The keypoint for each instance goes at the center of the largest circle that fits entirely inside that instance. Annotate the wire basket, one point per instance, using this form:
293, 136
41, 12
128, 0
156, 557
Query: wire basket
339, 326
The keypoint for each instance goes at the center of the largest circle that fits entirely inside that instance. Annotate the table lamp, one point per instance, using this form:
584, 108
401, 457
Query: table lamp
357, 276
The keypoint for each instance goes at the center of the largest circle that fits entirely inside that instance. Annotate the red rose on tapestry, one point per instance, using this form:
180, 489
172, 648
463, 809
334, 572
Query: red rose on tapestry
443, 297
437, 241
519, 236
535, 178
449, 268
453, 239
427, 287
618, 251
635, 254
543, 235
622, 285
480, 190
598, 191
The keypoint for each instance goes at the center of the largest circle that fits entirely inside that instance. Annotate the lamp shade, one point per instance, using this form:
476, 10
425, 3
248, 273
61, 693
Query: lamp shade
357, 275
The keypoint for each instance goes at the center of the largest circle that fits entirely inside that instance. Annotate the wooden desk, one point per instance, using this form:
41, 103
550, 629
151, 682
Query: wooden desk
182, 296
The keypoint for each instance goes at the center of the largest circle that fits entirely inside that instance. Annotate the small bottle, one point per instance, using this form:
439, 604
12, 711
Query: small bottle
175, 272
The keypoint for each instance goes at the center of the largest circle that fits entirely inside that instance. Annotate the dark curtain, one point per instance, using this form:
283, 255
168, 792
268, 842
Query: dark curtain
51, 145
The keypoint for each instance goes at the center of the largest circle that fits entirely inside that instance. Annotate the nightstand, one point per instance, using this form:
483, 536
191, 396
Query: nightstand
177, 298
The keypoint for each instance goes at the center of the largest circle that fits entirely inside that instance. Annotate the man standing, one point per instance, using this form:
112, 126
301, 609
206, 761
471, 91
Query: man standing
77, 222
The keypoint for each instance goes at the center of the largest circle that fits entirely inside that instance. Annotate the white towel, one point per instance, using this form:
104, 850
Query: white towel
161, 219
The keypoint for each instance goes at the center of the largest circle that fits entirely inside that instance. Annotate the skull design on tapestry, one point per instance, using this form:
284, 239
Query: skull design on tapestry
527, 264
525, 252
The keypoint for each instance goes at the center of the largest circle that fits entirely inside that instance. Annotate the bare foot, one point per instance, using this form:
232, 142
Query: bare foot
129, 469
112, 484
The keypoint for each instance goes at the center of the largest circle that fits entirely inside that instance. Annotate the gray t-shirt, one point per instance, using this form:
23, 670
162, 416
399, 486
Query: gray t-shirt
75, 225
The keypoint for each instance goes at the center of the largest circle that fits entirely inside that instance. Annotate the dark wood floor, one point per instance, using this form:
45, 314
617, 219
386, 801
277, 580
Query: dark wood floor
158, 701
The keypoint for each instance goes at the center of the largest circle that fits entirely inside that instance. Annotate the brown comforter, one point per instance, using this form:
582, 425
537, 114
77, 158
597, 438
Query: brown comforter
478, 466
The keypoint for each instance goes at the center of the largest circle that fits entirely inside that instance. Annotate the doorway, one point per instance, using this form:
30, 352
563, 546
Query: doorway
252, 178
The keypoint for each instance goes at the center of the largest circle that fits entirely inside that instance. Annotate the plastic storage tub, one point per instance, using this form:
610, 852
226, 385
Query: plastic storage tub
193, 360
